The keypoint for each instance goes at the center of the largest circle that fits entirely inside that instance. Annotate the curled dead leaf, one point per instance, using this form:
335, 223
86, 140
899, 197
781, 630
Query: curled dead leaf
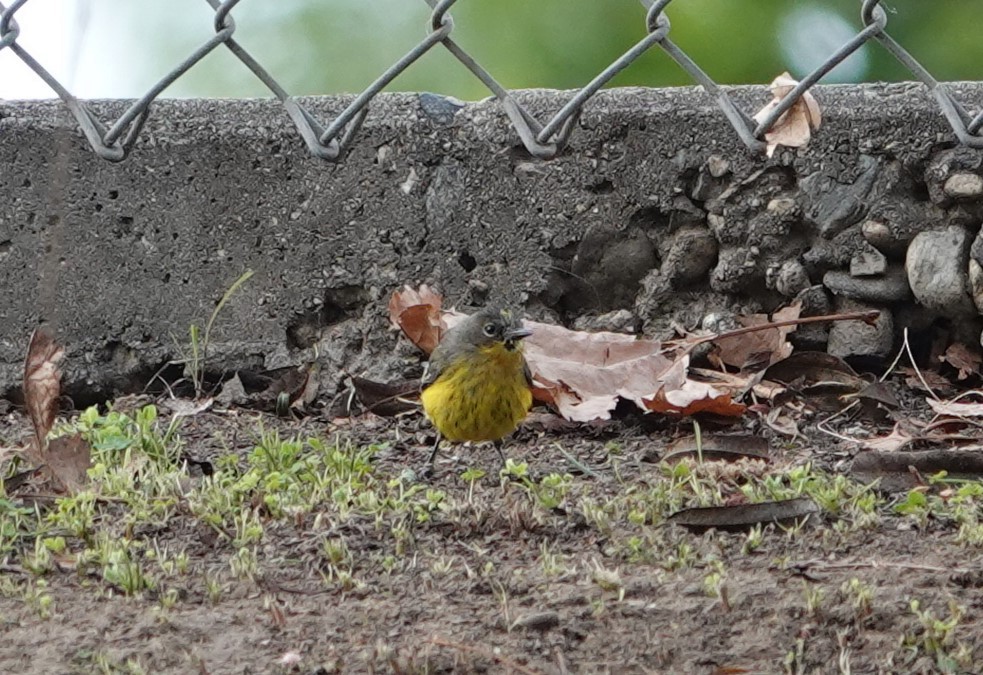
417, 313
728, 448
68, 460
894, 441
387, 399
956, 408
794, 127
693, 398
742, 517
42, 387
65, 459
963, 359
763, 347
583, 374
902, 470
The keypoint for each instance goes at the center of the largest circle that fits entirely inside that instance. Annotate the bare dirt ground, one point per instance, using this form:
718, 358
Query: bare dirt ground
571, 568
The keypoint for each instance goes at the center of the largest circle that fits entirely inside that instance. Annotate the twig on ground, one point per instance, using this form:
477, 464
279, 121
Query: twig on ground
918, 372
867, 317
820, 566
821, 424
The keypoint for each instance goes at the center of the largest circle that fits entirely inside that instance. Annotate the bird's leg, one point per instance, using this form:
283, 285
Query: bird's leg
428, 469
498, 447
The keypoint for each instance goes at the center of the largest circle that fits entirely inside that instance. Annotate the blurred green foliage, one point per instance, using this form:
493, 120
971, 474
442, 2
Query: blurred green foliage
342, 45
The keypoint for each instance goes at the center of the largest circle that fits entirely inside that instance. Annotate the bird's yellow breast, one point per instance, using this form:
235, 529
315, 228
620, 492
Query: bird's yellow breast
482, 396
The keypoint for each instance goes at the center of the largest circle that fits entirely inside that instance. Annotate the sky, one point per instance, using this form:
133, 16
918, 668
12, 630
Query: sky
57, 33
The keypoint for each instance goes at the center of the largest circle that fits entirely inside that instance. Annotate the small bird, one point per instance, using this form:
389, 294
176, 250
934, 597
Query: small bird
477, 385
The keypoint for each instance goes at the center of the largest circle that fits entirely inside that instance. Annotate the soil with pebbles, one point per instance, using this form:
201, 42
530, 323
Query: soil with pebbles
509, 586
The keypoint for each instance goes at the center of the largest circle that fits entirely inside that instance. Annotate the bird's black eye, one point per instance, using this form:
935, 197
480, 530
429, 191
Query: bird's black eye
490, 330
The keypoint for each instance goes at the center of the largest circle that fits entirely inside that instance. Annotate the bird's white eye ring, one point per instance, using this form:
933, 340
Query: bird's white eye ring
489, 330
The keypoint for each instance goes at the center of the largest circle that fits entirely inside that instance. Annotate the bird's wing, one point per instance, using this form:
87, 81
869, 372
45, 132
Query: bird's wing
433, 368
527, 372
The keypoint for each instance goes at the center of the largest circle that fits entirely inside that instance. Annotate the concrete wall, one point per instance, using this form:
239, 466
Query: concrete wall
656, 208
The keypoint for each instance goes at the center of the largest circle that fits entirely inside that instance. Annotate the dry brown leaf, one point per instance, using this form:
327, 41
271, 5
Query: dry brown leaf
956, 408
42, 387
794, 127
903, 470
582, 374
735, 384
926, 380
692, 398
65, 459
68, 459
960, 357
710, 447
387, 399
809, 368
763, 347
741, 517
779, 420
894, 441
417, 314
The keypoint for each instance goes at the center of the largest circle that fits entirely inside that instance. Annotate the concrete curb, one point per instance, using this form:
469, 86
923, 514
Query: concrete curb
123, 258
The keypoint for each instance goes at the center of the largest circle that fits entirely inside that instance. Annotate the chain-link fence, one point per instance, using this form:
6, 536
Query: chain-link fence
543, 139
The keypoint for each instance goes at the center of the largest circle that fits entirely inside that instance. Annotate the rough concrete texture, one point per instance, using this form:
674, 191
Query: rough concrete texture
655, 208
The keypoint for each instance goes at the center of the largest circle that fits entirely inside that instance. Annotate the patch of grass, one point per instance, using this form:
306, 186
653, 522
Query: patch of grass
352, 521
196, 355
946, 501
936, 638
860, 595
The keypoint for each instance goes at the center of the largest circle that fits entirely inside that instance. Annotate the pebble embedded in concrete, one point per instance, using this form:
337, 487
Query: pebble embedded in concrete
789, 279
963, 186
976, 283
868, 262
618, 321
691, 255
815, 301
937, 264
892, 286
859, 339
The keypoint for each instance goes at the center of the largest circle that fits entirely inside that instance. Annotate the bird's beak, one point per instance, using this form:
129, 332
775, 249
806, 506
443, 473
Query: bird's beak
514, 334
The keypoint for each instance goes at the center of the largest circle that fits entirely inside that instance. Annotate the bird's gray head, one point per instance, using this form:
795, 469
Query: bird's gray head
489, 326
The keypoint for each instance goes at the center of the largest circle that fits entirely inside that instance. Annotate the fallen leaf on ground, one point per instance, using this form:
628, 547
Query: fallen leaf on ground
582, 374
960, 357
779, 420
42, 387
735, 384
742, 517
956, 408
417, 313
794, 127
875, 393
926, 380
278, 390
691, 398
387, 399
902, 470
897, 439
728, 448
760, 347
65, 459
68, 461
807, 368
180, 407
